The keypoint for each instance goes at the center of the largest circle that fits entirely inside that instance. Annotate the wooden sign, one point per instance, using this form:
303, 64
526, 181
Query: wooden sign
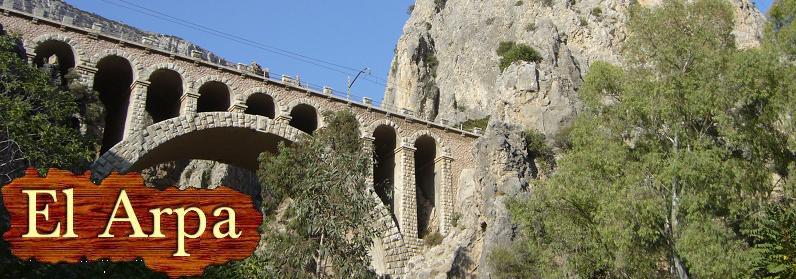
64, 217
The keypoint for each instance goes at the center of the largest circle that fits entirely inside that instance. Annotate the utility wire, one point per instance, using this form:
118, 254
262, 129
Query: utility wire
345, 70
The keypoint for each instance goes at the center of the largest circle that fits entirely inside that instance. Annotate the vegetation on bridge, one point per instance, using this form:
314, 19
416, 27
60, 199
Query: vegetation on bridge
317, 206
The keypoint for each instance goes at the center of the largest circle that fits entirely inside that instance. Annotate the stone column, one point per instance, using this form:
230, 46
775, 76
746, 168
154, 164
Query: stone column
445, 201
87, 75
238, 107
367, 146
136, 108
405, 195
188, 103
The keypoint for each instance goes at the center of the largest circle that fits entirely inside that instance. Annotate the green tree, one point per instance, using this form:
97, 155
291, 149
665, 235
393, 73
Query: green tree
317, 207
37, 118
670, 167
47, 123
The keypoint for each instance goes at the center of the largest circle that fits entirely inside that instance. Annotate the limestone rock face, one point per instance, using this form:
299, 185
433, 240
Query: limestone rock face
482, 221
446, 65
202, 174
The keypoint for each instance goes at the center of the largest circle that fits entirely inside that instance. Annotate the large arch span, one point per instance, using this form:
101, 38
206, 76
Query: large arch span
236, 139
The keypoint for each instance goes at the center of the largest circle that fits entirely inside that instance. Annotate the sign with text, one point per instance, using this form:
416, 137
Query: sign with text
64, 217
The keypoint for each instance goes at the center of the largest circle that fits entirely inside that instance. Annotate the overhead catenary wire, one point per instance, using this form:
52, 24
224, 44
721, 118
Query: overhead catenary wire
331, 66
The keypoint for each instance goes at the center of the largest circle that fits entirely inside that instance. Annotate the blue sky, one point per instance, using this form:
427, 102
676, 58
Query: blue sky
350, 33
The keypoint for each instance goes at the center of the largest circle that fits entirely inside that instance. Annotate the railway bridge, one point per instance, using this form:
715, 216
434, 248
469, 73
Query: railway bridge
163, 106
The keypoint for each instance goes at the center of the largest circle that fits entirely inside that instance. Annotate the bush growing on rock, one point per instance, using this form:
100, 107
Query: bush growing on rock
511, 52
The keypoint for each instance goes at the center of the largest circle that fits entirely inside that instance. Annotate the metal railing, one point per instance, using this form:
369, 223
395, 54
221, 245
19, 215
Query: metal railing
204, 57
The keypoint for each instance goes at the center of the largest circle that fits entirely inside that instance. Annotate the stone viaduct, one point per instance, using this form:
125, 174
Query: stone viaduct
164, 106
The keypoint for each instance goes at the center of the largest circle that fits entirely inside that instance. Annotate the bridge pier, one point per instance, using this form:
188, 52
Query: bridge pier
136, 108
446, 185
188, 103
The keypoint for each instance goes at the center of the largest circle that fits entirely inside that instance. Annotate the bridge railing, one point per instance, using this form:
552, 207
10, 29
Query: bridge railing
203, 57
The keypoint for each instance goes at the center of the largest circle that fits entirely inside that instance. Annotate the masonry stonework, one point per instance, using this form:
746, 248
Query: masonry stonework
89, 46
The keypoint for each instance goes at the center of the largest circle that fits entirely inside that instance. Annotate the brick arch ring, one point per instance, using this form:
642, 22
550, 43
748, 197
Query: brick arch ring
123, 157
370, 129
77, 50
242, 98
305, 101
147, 73
440, 144
134, 63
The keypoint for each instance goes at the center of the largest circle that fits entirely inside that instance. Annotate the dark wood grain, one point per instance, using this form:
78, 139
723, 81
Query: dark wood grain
93, 205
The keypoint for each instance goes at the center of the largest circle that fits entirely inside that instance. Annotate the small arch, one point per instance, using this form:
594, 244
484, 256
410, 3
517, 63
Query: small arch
132, 61
163, 95
113, 80
55, 53
169, 66
260, 104
385, 141
304, 117
426, 184
213, 96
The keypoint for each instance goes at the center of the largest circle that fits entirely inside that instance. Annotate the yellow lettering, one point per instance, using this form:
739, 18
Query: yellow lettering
32, 212
131, 218
231, 232
181, 234
156, 213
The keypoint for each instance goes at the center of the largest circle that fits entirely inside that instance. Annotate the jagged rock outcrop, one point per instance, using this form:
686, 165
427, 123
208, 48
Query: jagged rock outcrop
59, 10
503, 171
202, 174
446, 65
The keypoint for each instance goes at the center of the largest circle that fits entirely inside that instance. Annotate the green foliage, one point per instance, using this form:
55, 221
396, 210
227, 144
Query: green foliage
775, 243
471, 124
36, 119
317, 206
455, 219
433, 239
43, 124
539, 151
670, 167
547, 3
530, 27
781, 30
513, 262
518, 3
511, 52
582, 21
597, 12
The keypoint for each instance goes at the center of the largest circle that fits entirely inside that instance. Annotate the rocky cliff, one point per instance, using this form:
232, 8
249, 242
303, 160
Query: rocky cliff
446, 65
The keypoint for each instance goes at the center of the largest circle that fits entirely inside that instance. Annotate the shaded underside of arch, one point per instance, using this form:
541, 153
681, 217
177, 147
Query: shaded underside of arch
232, 138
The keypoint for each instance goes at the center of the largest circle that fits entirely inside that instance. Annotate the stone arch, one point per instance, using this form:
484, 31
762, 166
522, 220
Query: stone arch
198, 83
302, 102
147, 72
441, 148
78, 54
211, 79
389, 258
167, 83
136, 65
368, 131
429, 182
244, 98
136, 151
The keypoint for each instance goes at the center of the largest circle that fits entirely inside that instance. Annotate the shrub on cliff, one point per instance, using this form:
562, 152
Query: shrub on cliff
511, 52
